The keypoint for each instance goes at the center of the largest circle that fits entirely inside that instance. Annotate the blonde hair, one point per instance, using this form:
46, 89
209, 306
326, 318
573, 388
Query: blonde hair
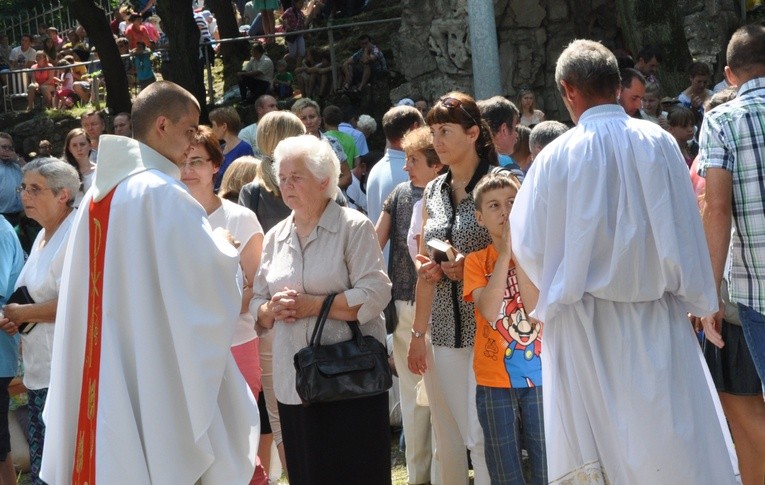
273, 128
241, 172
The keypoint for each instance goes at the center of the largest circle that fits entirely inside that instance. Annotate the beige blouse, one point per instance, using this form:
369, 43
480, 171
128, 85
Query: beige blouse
341, 255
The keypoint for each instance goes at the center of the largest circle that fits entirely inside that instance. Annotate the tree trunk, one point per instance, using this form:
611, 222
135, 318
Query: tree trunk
234, 53
93, 18
182, 31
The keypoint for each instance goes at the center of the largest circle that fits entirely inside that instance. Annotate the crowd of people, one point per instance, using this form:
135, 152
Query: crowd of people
191, 262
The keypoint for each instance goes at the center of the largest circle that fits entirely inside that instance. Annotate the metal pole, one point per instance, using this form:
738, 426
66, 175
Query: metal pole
330, 33
210, 88
485, 50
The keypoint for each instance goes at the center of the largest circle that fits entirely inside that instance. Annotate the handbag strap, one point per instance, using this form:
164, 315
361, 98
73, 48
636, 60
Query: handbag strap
318, 329
321, 320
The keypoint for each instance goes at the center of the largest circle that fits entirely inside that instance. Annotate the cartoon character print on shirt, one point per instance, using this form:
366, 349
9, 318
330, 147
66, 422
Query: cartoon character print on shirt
524, 339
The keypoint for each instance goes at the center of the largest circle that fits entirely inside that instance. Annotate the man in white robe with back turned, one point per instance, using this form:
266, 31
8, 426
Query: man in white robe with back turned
607, 229
143, 385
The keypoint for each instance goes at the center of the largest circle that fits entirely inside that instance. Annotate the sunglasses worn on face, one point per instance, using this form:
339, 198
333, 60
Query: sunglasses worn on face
456, 103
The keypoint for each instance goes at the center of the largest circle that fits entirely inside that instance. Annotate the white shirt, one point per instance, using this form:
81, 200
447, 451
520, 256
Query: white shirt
357, 199
606, 225
42, 277
243, 224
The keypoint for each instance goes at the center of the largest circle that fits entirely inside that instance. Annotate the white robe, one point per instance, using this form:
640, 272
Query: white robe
172, 404
607, 227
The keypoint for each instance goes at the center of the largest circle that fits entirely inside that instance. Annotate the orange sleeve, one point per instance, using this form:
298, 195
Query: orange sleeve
474, 274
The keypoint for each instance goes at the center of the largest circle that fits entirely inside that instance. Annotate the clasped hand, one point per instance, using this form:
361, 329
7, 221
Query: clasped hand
8, 318
289, 305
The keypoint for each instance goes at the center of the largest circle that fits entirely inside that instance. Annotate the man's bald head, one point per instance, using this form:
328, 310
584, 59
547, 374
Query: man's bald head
162, 98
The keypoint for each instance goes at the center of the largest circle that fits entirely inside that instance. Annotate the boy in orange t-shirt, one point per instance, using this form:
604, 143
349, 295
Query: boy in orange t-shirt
506, 360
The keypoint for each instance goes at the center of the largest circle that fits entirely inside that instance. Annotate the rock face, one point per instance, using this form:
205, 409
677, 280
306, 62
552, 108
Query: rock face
433, 51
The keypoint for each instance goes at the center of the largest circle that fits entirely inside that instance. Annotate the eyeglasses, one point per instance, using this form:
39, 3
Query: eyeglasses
456, 103
6, 147
32, 190
194, 163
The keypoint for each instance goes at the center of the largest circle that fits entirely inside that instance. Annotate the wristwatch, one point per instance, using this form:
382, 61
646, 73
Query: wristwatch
417, 334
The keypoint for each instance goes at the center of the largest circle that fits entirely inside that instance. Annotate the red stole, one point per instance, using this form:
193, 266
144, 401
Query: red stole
85, 449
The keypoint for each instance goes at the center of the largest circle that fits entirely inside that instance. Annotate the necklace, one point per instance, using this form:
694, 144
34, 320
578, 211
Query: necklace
457, 186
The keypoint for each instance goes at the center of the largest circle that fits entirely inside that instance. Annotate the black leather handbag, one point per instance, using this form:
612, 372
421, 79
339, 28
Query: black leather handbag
22, 297
346, 370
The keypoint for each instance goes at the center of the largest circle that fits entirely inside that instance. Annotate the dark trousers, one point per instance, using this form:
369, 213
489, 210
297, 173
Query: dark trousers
258, 87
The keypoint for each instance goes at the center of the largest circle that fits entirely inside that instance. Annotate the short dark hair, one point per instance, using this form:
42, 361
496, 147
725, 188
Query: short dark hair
364, 37
681, 116
332, 115
746, 49
497, 111
257, 46
92, 112
648, 52
545, 132
349, 112
398, 120
628, 75
493, 181
699, 69
227, 115
160, 98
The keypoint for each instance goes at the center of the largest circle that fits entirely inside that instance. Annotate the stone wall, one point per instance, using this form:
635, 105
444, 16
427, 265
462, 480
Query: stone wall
433, 50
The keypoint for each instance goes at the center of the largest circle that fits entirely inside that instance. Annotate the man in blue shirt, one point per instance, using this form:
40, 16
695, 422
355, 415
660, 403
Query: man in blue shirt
10, 178
11, 262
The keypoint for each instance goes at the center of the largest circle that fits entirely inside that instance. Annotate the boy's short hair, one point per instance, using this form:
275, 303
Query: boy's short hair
421, 140
281, 63
493, 181
699, 69
681, 116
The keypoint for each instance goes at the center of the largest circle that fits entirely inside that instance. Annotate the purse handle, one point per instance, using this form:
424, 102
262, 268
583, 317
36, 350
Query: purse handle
318, 329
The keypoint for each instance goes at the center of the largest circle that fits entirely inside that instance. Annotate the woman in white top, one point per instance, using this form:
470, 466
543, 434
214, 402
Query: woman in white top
47, 194
527, 105
198, 173
77, 154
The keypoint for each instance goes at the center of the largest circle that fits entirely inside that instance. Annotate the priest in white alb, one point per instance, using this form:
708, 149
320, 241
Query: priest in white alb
144, 389
612, 257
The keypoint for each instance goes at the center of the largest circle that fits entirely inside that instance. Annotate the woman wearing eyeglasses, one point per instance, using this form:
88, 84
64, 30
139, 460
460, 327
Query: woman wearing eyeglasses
463, 143
198, 172
47, 193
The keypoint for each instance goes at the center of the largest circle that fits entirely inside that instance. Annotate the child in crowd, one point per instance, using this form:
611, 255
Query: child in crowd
64, 97
507, 363
144, 70
282, 80
652, 107
681, 126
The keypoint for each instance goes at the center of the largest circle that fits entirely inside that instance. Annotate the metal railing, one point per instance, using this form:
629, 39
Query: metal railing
329, 29
49, 13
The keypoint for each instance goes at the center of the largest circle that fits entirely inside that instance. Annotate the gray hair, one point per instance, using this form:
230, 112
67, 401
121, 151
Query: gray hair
57, 174
590, 67
545, 132
366, 124
318, 156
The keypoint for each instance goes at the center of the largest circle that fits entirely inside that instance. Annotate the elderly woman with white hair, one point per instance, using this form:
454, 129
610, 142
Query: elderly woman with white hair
47, 191
322, 248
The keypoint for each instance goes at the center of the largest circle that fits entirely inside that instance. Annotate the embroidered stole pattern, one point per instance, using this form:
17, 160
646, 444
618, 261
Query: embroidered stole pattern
85, 449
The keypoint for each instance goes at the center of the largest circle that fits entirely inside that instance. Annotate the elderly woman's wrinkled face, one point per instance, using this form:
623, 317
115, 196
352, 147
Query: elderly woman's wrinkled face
38, 199
299, 187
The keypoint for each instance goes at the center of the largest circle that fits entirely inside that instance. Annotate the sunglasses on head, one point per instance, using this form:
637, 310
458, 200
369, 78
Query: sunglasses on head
450, 103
